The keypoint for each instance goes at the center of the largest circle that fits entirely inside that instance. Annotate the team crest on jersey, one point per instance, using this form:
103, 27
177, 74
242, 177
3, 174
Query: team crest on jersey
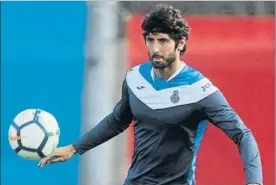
175, 97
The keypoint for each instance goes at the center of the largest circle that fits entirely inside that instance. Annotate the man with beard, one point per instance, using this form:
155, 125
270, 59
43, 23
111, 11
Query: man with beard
170, 103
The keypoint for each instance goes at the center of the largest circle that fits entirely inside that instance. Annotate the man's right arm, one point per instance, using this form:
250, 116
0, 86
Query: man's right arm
112, 125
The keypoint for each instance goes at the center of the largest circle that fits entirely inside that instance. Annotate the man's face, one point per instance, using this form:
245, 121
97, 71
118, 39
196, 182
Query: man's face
161, 49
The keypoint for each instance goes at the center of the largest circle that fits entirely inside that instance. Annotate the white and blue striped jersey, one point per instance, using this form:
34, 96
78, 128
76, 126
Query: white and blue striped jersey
170, 118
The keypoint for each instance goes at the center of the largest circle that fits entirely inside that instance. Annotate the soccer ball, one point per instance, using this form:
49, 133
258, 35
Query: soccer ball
34, 134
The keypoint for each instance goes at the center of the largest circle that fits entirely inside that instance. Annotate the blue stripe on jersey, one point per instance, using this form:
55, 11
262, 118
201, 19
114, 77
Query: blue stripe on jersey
187, 76
199, 135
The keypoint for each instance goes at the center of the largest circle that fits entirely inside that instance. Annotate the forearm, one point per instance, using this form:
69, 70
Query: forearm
251, 158
108, 128
217, 110
234, 127
247, 145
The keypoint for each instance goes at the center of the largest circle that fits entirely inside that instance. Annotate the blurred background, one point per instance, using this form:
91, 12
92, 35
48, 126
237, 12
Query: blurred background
69, 58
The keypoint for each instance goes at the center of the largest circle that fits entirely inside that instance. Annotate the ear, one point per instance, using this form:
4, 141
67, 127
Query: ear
182, 43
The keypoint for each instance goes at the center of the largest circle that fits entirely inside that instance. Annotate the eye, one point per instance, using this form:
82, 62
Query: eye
148, 39
163, 41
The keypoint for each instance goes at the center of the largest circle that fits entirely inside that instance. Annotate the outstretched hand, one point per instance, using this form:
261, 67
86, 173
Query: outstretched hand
61, 154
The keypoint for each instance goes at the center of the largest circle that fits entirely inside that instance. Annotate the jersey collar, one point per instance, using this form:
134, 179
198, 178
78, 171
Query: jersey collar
182, 65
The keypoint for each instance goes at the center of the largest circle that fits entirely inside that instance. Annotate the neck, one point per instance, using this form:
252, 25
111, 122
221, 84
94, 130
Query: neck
167, 72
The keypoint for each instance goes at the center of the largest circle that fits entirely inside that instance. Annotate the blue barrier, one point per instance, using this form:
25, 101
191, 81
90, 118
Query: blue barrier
42, 64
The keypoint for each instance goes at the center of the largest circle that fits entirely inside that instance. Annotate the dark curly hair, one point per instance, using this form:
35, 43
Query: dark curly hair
166, 19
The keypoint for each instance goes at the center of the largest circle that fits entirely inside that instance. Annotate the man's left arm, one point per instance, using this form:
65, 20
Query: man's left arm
217, 110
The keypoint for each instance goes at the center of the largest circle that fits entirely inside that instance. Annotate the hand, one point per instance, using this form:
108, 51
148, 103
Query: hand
61, 154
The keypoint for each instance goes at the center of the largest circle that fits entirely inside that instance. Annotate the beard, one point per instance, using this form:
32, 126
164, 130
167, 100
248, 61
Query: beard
162, 64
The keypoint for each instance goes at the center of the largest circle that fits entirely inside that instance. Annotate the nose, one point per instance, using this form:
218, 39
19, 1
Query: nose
155, 47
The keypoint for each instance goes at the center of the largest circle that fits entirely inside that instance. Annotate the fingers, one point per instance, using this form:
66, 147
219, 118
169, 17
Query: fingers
47, 160
42, 162
59, 155
54, 160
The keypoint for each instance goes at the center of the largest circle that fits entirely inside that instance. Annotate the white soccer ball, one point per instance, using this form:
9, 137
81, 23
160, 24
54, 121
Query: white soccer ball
34, 134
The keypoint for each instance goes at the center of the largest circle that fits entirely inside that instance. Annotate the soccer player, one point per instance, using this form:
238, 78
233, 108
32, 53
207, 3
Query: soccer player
170, 103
